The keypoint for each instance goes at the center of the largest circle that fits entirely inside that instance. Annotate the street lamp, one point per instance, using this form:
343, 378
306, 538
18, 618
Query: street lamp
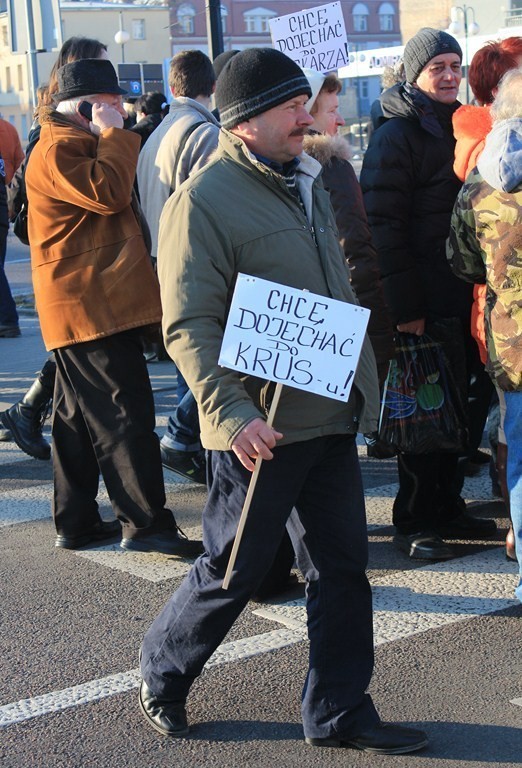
469, 29
121, 37
355, 59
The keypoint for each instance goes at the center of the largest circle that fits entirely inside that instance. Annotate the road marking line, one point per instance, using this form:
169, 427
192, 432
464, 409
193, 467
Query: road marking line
406, 603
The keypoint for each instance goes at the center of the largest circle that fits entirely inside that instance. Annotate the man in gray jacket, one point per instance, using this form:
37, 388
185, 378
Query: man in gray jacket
180, 146
258, 208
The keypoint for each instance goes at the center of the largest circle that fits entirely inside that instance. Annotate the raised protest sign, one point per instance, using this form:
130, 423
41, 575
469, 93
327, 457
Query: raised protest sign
293, 337
314, 38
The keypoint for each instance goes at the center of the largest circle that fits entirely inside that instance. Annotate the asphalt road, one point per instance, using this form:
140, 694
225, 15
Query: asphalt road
448, 635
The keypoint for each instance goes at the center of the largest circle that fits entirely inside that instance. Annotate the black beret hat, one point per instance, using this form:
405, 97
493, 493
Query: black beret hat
255, 80
85, 77
423, 47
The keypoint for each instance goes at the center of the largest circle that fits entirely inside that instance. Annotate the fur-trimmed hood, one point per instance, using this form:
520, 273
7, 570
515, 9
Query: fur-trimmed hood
326, 148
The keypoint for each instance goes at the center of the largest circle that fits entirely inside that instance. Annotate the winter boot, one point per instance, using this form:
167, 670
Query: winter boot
26, 418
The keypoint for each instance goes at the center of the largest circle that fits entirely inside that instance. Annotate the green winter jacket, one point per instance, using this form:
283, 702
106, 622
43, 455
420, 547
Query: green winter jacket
237, 215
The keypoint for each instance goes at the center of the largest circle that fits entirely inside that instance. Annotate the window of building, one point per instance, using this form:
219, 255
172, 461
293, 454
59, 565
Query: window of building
224, 14
25, 127
20, 74
386, 17
363, 88
5, 36
360, 14
138, 29
256, 20
185, 14
8, 83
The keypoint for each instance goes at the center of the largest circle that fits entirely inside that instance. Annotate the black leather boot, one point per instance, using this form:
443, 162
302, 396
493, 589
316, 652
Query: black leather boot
25, 419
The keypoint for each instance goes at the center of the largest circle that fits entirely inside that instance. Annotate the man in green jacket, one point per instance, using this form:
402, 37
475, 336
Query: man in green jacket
258, 208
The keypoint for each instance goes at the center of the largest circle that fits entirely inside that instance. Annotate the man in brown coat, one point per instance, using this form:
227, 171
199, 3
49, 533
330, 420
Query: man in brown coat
96, 293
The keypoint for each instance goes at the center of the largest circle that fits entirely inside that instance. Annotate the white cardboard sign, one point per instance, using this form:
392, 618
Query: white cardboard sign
293, 337
313, 38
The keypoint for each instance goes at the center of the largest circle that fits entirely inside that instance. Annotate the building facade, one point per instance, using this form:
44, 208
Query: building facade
369, 24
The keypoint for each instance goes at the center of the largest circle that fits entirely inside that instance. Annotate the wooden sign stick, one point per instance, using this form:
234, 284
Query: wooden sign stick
250, 493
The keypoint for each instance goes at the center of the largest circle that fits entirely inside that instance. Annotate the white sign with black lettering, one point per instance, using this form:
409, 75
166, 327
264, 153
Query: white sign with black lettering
314, 38
293, 337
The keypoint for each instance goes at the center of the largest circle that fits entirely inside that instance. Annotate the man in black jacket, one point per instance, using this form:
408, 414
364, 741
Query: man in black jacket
409, 189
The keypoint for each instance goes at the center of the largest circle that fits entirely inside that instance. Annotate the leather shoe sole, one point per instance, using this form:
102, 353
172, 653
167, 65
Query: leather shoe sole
423, 546
382, 739
101, 531
167, 717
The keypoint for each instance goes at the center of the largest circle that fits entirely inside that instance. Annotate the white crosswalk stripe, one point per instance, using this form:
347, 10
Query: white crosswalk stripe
405, 602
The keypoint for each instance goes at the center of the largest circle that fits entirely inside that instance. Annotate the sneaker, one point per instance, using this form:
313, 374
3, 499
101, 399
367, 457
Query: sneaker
189, 464
9, 331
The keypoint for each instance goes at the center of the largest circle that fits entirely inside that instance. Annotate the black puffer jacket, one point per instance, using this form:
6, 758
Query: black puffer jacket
409, 190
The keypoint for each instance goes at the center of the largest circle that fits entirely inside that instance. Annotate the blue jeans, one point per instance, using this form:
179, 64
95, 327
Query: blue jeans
321, 478
8, 313
183, 425
514, 472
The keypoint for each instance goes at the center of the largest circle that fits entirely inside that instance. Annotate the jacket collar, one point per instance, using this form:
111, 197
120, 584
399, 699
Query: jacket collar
403, 100
234, 147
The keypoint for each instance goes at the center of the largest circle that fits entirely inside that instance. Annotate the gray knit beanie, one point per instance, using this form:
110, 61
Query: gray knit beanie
423, 47
255, 80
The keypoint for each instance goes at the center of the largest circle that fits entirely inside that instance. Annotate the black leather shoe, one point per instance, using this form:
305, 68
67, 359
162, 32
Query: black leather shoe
100, 532
169, 542
466, 526
167, 717
382, 739
424, 545
189, 464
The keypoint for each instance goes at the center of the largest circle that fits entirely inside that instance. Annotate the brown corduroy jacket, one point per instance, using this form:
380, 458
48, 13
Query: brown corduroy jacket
92, 273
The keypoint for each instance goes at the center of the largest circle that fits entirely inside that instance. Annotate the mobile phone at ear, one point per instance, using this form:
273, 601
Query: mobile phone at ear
85, 109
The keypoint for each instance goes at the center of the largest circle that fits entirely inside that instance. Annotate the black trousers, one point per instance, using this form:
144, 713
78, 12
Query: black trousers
103, 422
321, 477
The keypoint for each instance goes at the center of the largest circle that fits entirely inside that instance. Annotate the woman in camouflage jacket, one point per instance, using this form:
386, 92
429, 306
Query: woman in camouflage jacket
485, 246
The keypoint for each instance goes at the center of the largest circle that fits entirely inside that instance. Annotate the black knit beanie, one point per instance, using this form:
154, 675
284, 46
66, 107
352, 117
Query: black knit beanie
255, 80
423, 47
